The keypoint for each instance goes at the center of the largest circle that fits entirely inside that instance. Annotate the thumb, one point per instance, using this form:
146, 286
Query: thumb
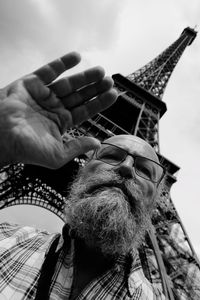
78, 146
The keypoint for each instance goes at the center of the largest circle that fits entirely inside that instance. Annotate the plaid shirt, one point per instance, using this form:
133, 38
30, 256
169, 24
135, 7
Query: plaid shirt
23, 251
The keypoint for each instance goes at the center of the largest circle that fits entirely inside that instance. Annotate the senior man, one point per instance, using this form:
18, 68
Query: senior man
110, 202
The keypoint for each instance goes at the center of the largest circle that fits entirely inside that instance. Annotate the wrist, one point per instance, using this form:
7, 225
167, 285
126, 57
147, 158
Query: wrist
6, 150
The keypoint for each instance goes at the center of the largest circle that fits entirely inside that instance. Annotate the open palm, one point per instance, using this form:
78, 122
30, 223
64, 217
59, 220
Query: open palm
36, 110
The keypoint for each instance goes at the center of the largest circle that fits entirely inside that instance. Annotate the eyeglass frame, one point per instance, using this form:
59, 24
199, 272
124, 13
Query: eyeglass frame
133, 156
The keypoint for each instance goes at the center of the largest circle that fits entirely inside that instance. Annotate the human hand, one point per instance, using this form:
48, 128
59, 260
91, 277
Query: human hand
36, 110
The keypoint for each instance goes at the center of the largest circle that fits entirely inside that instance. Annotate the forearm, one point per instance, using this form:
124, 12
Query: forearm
5, 158
4, 161
6, 136
7, 147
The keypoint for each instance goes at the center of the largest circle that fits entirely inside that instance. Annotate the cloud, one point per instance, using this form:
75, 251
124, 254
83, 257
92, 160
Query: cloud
53, 28
18, 20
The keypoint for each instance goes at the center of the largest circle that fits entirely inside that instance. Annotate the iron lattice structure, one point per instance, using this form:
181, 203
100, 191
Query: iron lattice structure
138, 111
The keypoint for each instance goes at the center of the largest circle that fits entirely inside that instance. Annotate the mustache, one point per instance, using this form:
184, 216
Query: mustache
110, 179
107, 212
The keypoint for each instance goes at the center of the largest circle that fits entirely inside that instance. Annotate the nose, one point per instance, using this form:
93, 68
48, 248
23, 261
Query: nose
126, 169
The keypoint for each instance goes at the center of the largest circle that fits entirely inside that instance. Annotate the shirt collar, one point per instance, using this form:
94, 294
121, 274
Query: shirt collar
65, 238
129, 264
131, 268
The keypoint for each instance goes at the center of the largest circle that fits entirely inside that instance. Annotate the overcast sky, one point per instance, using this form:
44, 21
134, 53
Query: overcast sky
122, 36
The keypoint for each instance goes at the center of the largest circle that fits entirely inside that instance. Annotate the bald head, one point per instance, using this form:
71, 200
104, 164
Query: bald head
134, 143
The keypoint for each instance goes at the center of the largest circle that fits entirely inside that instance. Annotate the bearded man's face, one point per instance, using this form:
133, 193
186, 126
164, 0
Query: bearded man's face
107, 212
109, 206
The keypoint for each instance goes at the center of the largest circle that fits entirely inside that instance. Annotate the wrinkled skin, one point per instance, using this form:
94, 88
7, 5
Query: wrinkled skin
109, 206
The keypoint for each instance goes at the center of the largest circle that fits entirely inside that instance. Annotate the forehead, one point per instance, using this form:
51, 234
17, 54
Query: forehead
134, 145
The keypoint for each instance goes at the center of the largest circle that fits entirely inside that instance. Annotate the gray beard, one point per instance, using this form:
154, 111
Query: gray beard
107, 212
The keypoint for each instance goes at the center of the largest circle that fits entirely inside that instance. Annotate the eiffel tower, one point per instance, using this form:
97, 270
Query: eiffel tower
138, 110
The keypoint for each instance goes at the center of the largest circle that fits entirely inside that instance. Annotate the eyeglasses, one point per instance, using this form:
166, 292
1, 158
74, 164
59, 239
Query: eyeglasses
144, 167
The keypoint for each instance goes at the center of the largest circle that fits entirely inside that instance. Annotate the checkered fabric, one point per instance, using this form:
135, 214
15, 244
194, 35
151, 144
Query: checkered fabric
23, 251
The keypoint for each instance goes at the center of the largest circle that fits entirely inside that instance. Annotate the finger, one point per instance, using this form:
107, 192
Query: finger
78, 146
52, 70
68, 85
37, 90
91, 108
87, 93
